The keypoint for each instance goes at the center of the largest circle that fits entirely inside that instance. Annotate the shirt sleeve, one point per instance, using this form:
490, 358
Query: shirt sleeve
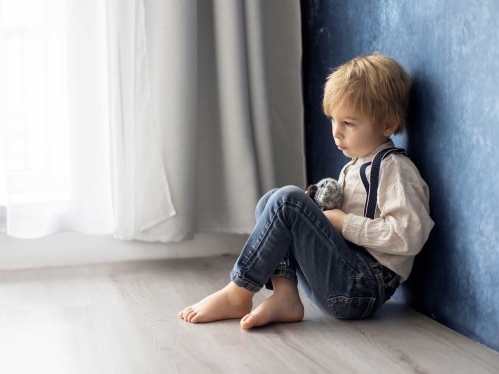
404, 223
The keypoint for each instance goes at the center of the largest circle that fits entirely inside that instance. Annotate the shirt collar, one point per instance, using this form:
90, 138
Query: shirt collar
388, 144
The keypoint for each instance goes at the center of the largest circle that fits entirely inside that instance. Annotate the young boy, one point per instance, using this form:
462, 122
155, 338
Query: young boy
348, 261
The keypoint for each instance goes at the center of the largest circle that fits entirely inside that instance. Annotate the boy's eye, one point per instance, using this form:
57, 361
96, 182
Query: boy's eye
348, 124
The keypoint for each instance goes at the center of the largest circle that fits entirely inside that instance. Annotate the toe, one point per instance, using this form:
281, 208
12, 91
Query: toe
181, 314
248, 322
195, 318
188, 315
186, 311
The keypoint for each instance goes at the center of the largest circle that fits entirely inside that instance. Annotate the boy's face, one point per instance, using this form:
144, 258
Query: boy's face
354, 132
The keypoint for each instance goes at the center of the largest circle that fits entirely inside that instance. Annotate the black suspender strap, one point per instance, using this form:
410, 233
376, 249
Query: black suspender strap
372, 187
364, 177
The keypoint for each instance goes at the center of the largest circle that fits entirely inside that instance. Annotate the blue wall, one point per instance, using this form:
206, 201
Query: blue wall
451, 51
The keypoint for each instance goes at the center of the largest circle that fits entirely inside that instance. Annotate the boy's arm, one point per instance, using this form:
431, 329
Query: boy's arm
404, 223
336, 217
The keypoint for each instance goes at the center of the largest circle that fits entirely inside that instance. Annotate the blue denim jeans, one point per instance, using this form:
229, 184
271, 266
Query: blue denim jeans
293, 238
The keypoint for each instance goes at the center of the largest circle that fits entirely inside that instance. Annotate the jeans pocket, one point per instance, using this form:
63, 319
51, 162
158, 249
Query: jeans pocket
345, 307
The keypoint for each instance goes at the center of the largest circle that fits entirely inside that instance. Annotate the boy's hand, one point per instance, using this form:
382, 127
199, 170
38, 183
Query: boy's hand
336, 217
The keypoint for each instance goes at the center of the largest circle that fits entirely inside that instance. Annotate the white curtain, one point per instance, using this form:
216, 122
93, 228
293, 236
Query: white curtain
147, 119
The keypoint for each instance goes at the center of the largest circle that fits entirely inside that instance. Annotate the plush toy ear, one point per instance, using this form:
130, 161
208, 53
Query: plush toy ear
311, 190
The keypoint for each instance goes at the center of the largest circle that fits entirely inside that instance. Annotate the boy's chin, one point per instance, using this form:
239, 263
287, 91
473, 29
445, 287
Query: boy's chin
346, 152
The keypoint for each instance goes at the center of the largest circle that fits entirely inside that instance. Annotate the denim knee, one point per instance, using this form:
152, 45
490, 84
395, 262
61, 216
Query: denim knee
260, 206
290, 192
286, 193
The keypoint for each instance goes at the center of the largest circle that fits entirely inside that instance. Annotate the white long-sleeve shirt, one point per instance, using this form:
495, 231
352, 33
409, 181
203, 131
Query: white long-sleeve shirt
402, 221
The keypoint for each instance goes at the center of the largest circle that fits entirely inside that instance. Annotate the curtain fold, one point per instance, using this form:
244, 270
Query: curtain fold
141, 192
173, 117
250, 108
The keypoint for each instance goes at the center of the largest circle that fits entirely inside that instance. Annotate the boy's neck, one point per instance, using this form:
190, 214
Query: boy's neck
375, 148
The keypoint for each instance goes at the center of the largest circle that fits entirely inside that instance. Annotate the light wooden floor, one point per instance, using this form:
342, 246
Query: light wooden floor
122, 318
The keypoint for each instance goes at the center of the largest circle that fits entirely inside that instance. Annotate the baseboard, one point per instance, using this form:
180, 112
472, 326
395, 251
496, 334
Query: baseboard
73, 249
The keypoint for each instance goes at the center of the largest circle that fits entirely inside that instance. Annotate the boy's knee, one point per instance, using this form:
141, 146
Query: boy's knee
263, 200
286, 193
260, 206
291, 191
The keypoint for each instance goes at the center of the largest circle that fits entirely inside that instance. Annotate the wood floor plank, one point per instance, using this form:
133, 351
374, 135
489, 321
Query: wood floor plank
123, 318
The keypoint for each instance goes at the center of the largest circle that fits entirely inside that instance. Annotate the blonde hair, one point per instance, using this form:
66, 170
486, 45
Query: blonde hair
376, 85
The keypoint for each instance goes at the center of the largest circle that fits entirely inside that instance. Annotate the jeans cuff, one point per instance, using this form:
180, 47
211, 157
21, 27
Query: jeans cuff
234, 276
282, 271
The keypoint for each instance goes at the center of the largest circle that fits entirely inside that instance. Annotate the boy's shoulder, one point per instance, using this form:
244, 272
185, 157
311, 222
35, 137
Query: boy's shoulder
398, 167
399, 161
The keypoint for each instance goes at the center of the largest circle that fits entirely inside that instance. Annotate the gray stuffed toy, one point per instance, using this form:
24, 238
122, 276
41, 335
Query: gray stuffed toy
326, 193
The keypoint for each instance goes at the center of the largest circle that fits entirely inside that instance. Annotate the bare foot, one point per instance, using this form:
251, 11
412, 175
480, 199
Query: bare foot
283, 306
230, 302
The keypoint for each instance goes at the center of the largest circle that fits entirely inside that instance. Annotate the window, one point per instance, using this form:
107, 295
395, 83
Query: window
34, 136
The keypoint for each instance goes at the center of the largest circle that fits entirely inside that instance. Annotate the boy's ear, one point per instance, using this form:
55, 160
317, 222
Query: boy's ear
391, 124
